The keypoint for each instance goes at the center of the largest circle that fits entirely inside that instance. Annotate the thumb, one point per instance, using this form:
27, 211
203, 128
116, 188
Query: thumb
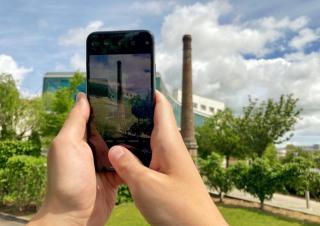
75, 124
126, 164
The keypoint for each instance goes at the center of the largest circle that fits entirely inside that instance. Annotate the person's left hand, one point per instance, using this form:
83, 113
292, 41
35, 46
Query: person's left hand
76, 194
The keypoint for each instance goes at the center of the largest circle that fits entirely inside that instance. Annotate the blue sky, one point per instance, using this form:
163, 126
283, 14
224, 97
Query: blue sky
241, 47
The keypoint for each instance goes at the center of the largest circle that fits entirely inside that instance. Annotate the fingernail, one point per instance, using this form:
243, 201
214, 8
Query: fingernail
78, 97
116, 152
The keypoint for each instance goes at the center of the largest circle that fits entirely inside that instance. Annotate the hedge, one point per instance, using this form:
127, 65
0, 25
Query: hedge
11, 148
23, 181
123, 195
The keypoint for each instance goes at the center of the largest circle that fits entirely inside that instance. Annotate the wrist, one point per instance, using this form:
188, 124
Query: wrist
49, 215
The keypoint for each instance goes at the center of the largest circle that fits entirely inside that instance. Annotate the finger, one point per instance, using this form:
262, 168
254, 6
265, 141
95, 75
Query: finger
163, 114
75, 124
126, 164
166, 141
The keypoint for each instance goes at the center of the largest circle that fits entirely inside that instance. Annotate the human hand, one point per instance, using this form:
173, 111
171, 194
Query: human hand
76, 194
171, 192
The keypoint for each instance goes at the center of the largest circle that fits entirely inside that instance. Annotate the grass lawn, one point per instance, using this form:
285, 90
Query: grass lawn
127, 214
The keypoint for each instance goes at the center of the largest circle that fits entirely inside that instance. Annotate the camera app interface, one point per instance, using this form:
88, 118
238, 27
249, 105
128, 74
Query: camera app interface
121, 99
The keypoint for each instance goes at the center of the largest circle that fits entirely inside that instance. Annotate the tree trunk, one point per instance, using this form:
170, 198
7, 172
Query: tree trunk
227, 161
307, 195
220, 196
261, 204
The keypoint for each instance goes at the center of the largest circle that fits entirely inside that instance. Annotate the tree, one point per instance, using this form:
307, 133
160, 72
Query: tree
18, 116
293, 152
238, 173
261, 179
220, 133
268, 122
299, 176
55, 108
271, 153
215, 176
316, 159
9, 107
315, 186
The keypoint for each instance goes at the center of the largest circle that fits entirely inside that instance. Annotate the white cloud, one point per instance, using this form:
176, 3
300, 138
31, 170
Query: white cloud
78, 62
305, 37
10, 66
152, 7
77, 36
220, 70
284, 23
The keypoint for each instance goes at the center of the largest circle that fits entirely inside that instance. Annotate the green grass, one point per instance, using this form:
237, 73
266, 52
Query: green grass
245, 217
128, 215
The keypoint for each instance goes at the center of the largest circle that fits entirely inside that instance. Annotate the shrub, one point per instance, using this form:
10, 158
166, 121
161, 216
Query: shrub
23, 181
315, 186
239, 173
215, 176
124, 195
10, 148
261, 179
299, 177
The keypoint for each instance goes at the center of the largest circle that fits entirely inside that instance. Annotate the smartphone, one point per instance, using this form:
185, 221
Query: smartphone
120, 90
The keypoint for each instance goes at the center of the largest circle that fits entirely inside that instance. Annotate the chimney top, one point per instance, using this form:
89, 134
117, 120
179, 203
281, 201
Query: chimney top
187, 37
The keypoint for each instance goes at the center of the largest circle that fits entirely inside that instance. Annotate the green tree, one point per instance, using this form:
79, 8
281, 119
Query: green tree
215, 176
298, 174
220, 133
238, 173
315, 186
55, 107
18, 116
294, 152
268, 122
9, 106
271, 153
316, 159
261, 179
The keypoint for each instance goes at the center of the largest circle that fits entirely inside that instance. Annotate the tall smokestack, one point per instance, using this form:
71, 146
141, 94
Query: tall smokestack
120, 104
187, 126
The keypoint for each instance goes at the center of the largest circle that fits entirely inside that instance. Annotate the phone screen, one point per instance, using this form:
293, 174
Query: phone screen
120, 93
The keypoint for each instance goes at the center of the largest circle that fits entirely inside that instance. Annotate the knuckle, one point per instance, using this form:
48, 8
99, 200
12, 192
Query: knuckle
123, 167
144, 177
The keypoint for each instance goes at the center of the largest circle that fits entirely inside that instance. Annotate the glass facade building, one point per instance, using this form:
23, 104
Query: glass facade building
55, 80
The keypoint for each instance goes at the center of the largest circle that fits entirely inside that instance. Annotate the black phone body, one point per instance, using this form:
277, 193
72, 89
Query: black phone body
120, 90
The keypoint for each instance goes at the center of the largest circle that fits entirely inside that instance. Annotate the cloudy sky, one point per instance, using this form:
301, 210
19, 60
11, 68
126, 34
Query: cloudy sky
240, 47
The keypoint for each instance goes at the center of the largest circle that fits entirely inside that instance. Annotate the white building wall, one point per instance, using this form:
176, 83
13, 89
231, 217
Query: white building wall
201, 104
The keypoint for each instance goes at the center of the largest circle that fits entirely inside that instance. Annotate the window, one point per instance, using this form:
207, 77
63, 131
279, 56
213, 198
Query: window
195, 105
203, 107
211, 109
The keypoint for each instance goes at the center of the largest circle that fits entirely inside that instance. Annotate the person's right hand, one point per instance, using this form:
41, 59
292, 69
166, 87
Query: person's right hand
171, 191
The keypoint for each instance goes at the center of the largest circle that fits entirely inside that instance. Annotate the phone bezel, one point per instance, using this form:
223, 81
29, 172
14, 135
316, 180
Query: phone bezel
107, 35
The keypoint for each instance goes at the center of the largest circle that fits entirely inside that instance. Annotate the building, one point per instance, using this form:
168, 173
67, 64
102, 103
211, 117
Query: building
201, 105
55, 80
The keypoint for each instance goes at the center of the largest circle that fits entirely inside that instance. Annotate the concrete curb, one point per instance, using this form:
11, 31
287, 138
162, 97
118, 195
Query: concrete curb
10, 217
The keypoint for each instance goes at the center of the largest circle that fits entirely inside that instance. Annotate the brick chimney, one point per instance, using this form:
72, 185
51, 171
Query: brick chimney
187, 125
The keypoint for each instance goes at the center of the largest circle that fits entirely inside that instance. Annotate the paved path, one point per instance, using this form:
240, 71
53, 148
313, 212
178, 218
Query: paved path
282, 201
4, 222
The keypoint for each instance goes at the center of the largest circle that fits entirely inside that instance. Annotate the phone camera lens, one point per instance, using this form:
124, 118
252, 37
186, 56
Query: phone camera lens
147, 42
